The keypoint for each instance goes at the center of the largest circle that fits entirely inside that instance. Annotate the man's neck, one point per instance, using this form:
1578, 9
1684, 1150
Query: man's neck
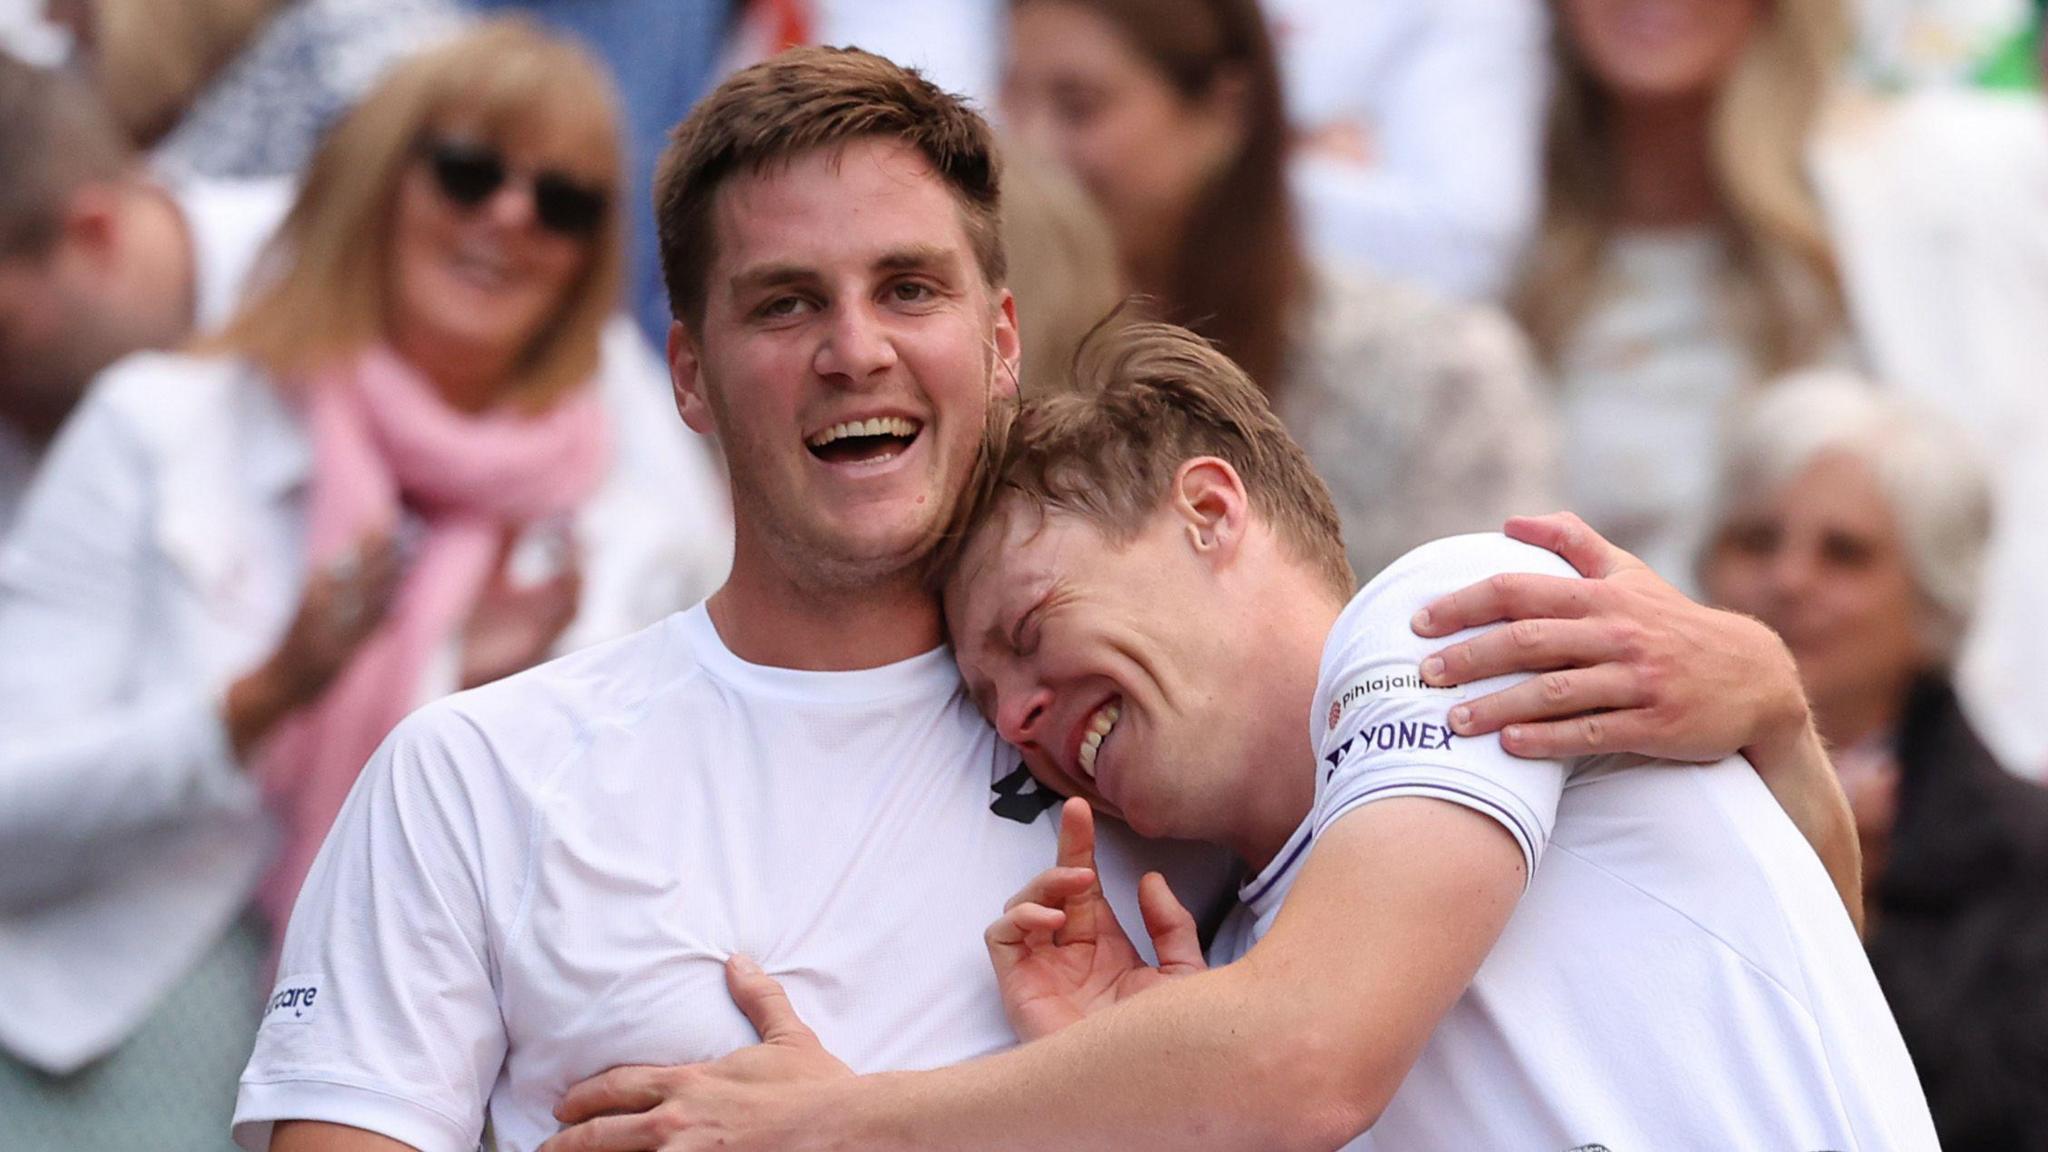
1666, 158
1281, 788
765, 617
165, 251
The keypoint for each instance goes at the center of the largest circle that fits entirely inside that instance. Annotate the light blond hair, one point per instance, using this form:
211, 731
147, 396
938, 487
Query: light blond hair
321, 296
1784, 289
1148, 397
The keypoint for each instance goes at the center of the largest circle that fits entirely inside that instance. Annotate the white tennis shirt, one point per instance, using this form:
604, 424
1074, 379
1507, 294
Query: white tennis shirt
1680, 973
541, 879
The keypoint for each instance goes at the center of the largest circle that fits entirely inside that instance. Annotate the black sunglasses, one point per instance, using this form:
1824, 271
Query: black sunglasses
469, 174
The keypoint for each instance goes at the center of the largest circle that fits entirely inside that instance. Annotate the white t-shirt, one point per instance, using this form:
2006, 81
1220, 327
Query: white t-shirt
538, 880
1679, 974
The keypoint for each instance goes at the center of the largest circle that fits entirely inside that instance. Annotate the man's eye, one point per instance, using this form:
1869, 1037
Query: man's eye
910, 291
781, 307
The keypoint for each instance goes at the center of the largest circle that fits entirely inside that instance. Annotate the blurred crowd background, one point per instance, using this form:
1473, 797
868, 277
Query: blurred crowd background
330, 383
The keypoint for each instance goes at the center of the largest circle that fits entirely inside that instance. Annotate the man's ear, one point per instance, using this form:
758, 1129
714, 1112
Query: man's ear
91, 225
1007, 346
686, 377
1210, 499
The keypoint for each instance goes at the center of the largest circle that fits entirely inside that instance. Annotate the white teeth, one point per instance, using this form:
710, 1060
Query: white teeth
879, 426
1098, 730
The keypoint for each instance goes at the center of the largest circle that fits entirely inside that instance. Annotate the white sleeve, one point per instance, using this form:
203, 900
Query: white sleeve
1382, 734
84, 760
385, 1013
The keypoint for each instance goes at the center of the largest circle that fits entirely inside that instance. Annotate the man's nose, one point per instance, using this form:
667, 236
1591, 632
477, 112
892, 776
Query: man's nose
1021, 716
857, 347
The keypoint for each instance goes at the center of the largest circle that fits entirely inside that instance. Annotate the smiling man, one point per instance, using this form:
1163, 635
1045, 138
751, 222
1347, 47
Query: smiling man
1454, 947
543, 879
537, 882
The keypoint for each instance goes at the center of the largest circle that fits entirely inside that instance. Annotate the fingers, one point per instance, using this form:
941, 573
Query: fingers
1053, 886
1021, 930
635, 1133
1077, 835
1175, 941
1570, 537
628, 1088
1592, 735
1506, 596
1524, 646
1553, 695
761, 999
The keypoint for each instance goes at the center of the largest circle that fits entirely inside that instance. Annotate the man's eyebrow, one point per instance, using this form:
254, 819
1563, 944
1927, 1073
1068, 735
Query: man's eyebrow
914, 257
770, 276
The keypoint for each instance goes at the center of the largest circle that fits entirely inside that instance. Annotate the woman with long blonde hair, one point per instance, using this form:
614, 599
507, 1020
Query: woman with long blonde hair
1682, 256
402, 468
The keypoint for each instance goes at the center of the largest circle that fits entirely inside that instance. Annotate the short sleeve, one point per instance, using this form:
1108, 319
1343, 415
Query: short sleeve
385, 1013
1382, 733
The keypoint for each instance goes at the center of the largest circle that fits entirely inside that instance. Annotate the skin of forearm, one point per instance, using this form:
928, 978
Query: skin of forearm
1216, 1060
1794, 764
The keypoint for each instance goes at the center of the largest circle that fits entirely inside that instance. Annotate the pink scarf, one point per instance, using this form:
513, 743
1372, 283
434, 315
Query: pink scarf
381, 436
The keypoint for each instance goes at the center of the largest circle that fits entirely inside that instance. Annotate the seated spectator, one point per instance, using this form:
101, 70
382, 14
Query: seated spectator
1418, 127
1682, 258
1938, 203
1855, 524
98, 258
391, 475
1421, 414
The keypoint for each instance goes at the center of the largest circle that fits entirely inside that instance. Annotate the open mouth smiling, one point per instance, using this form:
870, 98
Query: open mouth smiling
876, 440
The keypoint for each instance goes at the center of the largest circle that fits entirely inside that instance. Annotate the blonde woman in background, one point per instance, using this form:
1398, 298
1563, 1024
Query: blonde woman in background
1682, 256
395, 474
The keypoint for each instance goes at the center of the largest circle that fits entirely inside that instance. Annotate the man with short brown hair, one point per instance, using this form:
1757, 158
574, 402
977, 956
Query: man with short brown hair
544, 878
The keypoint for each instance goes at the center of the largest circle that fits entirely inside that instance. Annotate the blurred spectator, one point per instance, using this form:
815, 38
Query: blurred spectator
152, 58
1682, 257
1855, 523
1418, 127
1938, 203
663, 55
392, 476
263, 110
1420, 414
97, 257
1063, 270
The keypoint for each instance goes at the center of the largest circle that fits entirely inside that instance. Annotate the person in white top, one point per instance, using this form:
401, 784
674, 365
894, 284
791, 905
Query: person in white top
1682, 258
543, 879
1450, 945
174, 629
1420, 125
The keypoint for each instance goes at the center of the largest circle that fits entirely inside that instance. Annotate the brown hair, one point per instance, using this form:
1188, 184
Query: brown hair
1149, 398
1240, 270
1783, 286
325, 300
55, 137
804, 99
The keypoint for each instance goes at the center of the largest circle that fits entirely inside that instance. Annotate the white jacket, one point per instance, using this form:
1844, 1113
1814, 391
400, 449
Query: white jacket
157, 558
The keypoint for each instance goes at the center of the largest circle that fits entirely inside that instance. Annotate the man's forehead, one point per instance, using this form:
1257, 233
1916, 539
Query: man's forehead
867, 194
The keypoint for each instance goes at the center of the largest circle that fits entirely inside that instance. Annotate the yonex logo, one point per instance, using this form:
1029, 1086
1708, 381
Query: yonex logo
1392, 735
